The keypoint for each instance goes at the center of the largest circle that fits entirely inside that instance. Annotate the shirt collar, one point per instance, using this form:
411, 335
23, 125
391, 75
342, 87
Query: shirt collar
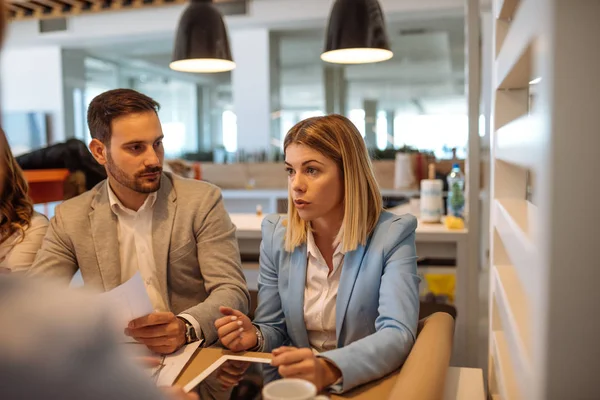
116, 205
312, 249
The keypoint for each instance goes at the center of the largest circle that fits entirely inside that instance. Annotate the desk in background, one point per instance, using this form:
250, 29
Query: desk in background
46, 185
433, 241
461, 383
275, 200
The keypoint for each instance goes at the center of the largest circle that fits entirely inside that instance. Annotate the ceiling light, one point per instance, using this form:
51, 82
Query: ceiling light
535, 81
356, 33
201, 44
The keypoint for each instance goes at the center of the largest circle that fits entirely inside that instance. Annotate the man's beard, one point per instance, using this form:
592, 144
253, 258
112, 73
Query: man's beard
135, 182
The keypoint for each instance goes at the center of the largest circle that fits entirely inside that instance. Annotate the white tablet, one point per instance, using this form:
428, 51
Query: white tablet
233, 378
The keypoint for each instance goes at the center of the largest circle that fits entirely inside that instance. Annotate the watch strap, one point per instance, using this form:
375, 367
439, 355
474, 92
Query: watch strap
190, 332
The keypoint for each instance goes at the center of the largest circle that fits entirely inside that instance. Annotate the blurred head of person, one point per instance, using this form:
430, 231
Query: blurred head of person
16, 207
330, 182
127, 140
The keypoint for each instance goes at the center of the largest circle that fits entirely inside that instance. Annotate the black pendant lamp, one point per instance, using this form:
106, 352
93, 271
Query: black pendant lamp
201, 44
356, 33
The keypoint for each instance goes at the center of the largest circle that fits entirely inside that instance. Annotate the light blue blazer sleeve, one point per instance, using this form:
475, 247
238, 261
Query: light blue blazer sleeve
269, 315
385, 350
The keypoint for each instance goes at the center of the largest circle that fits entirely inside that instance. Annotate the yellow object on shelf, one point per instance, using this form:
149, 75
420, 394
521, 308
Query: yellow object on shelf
452, 222
441, 285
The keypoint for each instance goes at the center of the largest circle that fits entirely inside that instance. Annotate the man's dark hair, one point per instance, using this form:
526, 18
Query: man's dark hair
108, 106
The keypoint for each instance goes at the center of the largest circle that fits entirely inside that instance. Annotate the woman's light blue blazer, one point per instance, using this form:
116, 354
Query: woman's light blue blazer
377, 304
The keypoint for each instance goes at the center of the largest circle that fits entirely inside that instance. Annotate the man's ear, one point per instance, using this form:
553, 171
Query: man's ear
98, 151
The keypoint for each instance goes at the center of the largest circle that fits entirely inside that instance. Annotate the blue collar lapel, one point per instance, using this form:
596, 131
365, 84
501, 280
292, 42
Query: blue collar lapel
297, 282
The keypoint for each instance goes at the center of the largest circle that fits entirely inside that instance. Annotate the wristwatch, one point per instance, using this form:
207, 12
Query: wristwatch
190, 331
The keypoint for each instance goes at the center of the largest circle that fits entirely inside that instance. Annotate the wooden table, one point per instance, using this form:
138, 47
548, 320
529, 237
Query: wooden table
461, 383
433, 241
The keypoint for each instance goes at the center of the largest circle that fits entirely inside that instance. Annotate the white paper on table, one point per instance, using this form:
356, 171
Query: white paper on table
139, 351
174, 363
127, 302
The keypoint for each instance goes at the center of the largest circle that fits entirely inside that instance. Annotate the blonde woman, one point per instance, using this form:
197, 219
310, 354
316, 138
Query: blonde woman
21, 229
338, 296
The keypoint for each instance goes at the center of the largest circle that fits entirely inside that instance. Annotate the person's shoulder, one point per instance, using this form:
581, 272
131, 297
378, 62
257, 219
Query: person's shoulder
396, 227
274, 225
54, 298
79, 205
38, 220
408, 221
38, 224
273, 230
274, 222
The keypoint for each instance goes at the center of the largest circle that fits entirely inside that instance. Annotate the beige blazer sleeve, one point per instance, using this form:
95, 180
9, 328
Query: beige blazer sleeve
56, 258
23, 252
220, 265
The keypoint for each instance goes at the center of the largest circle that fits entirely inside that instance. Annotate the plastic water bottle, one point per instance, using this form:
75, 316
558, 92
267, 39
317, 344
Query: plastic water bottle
456, 192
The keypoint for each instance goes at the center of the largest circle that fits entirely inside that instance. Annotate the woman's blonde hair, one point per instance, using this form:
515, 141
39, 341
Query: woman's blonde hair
337, 138
16, 208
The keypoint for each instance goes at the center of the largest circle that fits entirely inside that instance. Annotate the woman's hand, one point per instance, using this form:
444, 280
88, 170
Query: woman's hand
235, 330
302, 363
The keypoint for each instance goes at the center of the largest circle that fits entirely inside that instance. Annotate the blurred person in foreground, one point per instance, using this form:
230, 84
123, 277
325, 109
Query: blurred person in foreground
174, 231
21, 228
338, 299
56, 344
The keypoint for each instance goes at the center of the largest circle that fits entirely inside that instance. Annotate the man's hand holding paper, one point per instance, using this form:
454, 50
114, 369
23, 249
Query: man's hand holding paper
161, 332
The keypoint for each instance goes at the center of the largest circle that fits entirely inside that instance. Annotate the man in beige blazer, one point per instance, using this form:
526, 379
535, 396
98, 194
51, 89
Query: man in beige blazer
175, 232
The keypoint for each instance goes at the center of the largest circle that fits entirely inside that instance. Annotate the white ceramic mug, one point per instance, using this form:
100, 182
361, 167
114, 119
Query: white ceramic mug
291, 389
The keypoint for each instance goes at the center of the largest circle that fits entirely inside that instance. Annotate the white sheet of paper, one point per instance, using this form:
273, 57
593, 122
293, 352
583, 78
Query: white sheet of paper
174, 364
139, 351
127, 302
